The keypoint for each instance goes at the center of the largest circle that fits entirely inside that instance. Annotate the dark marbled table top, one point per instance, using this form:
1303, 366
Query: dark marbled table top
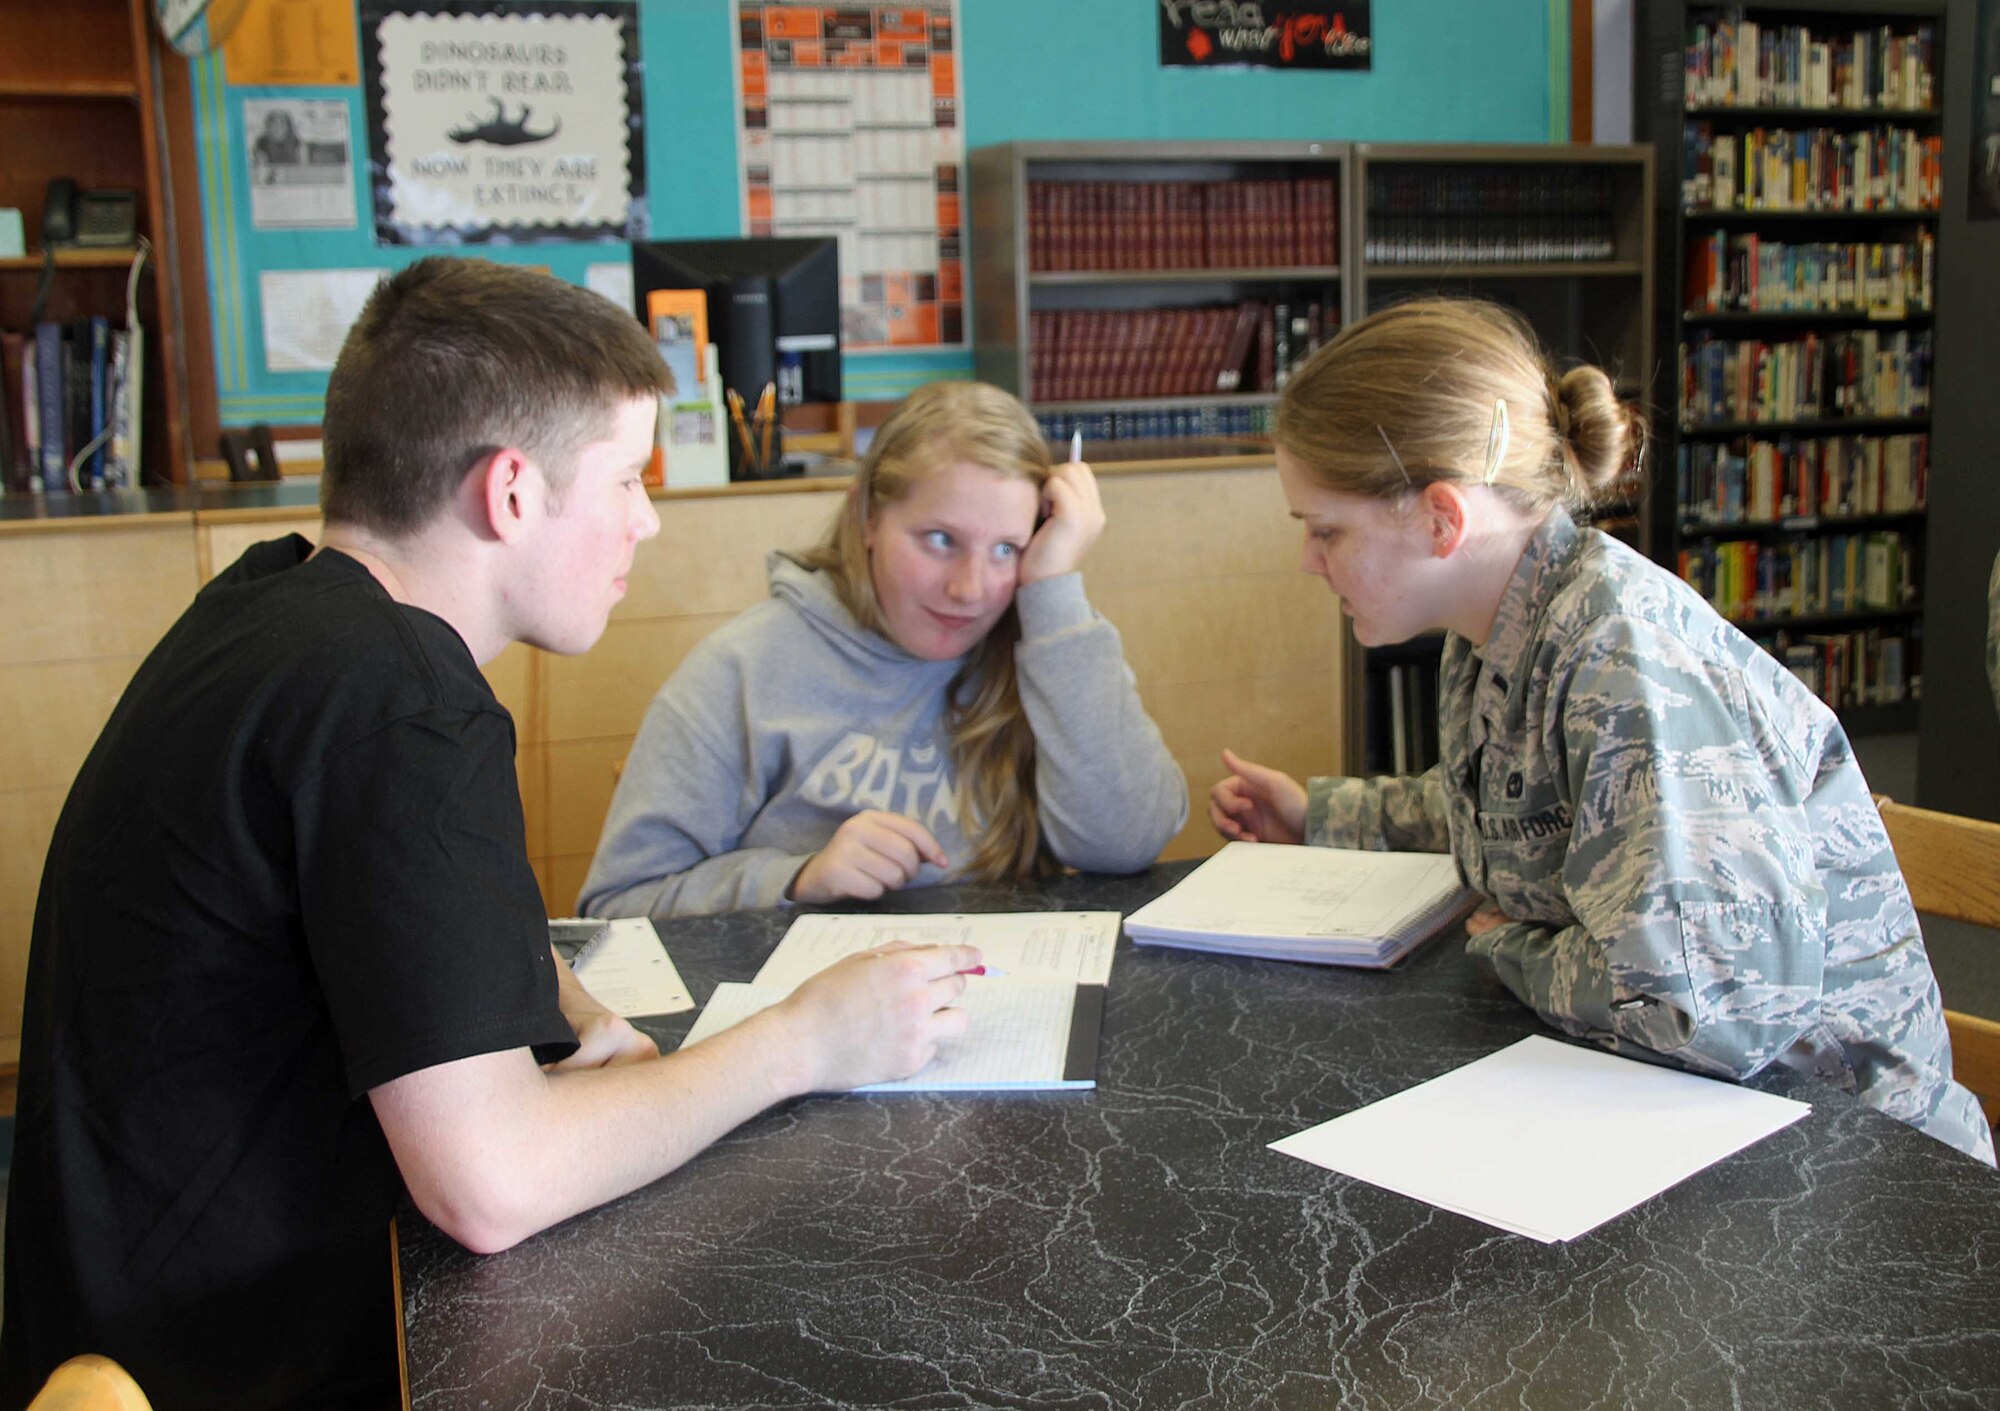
1138, 1246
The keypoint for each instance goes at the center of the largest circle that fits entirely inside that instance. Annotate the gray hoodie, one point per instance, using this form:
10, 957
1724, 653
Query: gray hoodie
792, 718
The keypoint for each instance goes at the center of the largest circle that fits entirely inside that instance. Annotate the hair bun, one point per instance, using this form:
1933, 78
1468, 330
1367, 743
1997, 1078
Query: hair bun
1603, 436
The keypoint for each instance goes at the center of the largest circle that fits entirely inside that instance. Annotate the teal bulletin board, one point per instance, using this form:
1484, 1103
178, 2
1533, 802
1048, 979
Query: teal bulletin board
1444, 71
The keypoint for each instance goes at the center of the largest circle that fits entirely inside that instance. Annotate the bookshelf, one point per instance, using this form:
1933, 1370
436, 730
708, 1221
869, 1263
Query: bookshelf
80, 97
1563, 234
1155, 292
1800, 150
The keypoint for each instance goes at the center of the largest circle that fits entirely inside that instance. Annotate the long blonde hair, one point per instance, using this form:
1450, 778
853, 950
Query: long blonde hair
1406, 397
992, 745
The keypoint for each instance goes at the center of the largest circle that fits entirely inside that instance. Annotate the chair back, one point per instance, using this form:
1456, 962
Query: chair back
90, 1383
1952, 866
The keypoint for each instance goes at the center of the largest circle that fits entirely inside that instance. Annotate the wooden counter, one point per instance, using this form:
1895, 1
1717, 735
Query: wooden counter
1198, 569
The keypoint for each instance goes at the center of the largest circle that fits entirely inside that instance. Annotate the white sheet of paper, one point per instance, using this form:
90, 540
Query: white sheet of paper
1007, 1044
1074, 946
307, 313
631, 973
1544, 1139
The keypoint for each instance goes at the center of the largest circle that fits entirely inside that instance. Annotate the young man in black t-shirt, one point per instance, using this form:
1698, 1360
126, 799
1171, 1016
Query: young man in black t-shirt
288, 951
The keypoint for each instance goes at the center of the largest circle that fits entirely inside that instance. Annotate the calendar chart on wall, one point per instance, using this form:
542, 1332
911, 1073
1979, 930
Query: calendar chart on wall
850, 126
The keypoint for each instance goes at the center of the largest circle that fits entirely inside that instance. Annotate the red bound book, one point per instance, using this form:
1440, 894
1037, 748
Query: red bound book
1065, 358
1038, 225
1118, 359
1236, 352
1111, 234
1267, 351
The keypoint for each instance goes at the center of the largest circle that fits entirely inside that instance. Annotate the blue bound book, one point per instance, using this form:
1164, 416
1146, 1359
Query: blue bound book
49, 394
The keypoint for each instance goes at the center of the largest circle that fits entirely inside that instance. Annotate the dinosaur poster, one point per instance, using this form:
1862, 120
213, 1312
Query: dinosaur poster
504, 122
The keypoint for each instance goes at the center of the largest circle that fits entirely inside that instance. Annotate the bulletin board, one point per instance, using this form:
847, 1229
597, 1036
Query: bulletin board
291, 232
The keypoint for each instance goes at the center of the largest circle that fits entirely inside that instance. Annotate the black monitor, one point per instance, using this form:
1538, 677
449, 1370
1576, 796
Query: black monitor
773, 310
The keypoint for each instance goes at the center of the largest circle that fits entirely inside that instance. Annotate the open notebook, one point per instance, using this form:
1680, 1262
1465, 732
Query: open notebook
1035, 1016
1328, 906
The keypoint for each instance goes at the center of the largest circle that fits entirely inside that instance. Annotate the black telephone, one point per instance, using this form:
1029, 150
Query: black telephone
97, 219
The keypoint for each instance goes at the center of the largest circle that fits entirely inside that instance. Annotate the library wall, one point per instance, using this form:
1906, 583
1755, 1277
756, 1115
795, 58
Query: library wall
1958, 746
1445, 70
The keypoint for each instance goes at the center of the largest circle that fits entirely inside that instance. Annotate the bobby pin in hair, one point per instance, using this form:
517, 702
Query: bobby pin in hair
1408, 484
1496, 443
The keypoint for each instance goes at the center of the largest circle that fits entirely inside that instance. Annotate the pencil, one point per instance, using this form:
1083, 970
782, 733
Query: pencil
767, 413
742, 431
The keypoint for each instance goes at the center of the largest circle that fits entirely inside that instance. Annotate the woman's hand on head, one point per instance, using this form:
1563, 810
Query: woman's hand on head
1257, 804
1075, 519
871, 853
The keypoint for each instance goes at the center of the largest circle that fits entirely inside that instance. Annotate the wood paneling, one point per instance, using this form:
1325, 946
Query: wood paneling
84, 593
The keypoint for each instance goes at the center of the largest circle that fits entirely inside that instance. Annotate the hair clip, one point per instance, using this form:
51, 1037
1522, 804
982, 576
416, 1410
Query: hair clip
1408, 483
1496, 444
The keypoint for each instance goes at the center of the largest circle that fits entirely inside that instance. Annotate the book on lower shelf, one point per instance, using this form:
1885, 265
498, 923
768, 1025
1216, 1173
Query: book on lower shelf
1324, 906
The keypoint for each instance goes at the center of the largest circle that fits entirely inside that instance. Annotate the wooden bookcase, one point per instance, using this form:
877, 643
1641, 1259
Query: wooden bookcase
80, 98
1231, 231
1774, 503
1562, 233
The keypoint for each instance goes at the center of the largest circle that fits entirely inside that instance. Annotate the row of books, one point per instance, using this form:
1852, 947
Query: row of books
1492, 239
1807, 477
1210, 421
73, 394
1082, 355
1736, 62
1754, 273
1161, 225
1747, 581
1857, 373
1811, 169
1876, 666
1507, 191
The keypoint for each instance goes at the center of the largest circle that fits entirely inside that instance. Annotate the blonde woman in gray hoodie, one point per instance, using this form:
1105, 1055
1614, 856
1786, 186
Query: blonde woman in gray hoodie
926, 696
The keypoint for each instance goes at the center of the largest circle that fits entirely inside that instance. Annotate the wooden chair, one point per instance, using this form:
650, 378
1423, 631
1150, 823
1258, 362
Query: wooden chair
1953, 867
90, 1383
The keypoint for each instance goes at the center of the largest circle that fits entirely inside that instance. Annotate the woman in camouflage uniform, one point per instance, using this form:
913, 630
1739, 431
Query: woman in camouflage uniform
1680, 855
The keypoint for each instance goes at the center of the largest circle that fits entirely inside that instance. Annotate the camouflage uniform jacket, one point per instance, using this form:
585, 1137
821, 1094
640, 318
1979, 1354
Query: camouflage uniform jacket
1678, 828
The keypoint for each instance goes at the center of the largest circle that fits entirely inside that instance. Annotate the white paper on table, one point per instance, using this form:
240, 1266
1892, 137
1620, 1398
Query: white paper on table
631, 974
1074, 946
1015, 1037
1544, 1139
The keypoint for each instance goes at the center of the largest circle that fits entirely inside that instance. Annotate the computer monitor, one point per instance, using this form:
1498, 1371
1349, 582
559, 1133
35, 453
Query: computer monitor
773, 310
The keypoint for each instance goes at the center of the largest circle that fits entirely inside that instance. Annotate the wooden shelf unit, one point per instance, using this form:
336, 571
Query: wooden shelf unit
80, 98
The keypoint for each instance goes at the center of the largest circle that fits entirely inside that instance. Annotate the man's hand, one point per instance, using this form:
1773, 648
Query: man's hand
1075, 519
878, 1016
871, 853
606, 1040
1485, 919
1257, 804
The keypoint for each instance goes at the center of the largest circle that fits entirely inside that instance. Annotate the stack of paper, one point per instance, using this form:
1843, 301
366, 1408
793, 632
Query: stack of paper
1544, 1139
1329, 906
1034, 1016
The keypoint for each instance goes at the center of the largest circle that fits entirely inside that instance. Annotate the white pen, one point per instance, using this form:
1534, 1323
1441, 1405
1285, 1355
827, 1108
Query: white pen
1076, 445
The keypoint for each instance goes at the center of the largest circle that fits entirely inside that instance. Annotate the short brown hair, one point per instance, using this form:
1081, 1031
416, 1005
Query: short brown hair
453, 359
1405, 398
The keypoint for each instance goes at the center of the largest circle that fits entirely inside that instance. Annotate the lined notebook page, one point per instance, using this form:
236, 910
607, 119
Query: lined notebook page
1021, 945
1017, 1036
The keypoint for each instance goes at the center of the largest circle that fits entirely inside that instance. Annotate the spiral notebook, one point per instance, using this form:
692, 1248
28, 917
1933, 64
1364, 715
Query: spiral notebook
622, 963
1324, 906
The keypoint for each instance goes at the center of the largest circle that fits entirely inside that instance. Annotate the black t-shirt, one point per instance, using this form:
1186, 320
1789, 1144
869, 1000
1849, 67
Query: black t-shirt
292, 869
